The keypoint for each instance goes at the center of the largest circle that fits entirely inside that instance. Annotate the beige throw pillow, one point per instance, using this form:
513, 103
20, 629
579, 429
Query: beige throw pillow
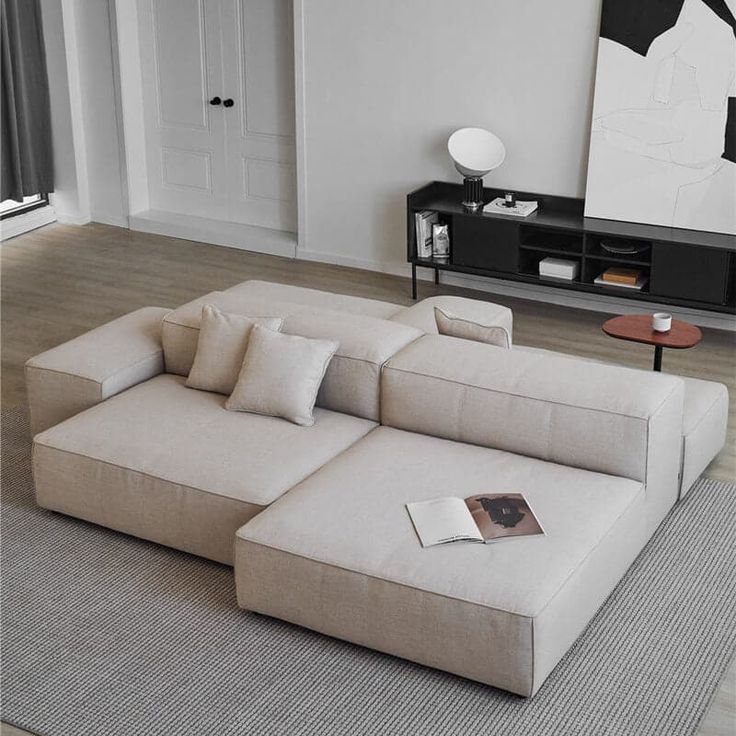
223, 339
453, 326
281, 375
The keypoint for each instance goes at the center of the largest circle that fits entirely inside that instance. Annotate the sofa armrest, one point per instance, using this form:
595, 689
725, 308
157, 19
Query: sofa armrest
90, 368
421, 315
598, 417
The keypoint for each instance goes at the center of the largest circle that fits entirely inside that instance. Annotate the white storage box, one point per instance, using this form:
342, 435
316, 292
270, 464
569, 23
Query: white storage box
559, 268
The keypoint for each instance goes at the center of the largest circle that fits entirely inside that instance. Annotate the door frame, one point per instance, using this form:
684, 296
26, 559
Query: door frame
128, 70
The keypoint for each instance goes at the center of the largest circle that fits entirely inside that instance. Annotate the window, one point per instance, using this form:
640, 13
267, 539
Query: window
9, 207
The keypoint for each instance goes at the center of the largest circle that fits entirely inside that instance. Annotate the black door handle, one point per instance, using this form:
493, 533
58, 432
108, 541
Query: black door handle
215, 101
228, 102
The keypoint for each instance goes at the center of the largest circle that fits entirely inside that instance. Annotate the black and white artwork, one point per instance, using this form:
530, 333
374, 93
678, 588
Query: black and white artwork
663, 137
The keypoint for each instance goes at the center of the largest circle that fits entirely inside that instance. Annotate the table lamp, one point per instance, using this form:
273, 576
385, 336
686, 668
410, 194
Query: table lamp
476, 152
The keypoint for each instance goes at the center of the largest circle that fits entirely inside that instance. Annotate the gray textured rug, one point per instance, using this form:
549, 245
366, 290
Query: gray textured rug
106, 634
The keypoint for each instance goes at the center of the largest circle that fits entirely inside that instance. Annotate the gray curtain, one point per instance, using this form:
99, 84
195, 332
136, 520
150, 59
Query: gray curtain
25, 117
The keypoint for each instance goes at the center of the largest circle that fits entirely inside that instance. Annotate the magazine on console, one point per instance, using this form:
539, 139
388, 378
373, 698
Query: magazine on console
486, 517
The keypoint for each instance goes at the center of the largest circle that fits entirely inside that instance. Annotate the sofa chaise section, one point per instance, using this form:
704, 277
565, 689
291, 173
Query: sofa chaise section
597, 455
339, 555
171, 465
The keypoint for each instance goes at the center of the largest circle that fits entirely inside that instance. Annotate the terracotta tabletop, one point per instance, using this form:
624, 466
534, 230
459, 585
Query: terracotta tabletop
638, 328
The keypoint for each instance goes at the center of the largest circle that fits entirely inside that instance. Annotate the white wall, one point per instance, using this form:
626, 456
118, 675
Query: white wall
66, 198
95, 50
87, 161
386, 82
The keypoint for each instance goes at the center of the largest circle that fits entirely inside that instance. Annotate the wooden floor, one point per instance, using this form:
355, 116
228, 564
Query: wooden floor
60, 281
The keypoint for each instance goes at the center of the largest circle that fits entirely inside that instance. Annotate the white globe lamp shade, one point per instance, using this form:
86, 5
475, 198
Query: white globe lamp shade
475, 152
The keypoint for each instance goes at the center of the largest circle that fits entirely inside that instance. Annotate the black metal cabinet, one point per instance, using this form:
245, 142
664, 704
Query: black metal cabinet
688, 272
686, 268
483, 244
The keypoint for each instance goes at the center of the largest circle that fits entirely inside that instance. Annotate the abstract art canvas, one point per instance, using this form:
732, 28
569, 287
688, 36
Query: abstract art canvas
663, 135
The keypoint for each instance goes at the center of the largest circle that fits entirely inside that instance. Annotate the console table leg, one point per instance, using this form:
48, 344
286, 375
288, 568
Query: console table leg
436, 276
657, 357
414, 281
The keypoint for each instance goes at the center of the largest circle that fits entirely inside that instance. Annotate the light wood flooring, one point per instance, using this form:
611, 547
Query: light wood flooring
60, 281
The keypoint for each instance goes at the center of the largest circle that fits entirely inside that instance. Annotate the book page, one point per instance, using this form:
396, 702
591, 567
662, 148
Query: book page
503, 515
443, 520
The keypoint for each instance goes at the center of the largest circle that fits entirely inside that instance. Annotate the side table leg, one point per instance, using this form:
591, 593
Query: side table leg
436, 276
414, 281
657, 357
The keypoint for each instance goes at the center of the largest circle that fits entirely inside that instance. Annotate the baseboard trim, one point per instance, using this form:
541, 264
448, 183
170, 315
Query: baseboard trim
72, 218
387, 267
114, 220
204, 230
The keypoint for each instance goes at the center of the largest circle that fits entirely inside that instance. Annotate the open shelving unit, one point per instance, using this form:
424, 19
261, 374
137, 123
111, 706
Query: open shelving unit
684, 267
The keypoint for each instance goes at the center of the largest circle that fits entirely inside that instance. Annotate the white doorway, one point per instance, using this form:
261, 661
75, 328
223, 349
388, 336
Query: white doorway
213, 139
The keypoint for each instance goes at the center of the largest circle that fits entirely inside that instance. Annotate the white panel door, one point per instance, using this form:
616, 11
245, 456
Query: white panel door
258, 71
185, 134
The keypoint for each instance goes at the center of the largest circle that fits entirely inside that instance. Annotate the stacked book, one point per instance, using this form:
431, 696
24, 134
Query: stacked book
423, 222
626, 278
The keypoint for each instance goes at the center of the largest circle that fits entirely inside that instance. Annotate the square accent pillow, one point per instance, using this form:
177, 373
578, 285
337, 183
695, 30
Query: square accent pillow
449, 324
281, 375
223, 339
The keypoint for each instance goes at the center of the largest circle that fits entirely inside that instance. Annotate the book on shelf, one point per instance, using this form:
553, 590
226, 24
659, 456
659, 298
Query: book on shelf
627, 276
484, 518
641, 282
520, 209
423, 222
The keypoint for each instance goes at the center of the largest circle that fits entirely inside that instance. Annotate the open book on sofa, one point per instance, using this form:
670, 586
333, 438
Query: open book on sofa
487, 517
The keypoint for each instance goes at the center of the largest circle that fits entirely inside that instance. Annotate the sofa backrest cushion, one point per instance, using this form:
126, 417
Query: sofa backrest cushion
268, 290
352, 382
553, 407
421, 315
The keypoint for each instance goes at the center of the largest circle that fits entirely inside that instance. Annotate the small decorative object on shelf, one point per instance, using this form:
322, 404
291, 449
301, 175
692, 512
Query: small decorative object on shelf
501, 206
476, 152
558, 268
440, 242
509, 199
661, 322
623, 247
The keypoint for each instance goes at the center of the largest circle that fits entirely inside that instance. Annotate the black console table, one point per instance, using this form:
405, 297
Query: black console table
686, 268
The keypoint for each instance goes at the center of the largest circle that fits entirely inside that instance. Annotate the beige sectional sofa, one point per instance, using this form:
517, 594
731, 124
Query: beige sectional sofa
313, 518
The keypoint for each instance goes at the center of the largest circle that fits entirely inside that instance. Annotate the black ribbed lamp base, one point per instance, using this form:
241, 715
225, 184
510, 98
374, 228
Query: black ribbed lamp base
472, 193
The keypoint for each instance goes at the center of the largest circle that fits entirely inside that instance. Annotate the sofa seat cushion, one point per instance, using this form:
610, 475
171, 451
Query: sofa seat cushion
169, 464
268, 290
421, 315
339, 555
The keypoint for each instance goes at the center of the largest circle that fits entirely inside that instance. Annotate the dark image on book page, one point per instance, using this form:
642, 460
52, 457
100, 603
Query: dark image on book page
502, 515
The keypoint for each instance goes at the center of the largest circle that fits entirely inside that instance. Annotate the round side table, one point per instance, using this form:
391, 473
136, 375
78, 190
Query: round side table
638, 328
